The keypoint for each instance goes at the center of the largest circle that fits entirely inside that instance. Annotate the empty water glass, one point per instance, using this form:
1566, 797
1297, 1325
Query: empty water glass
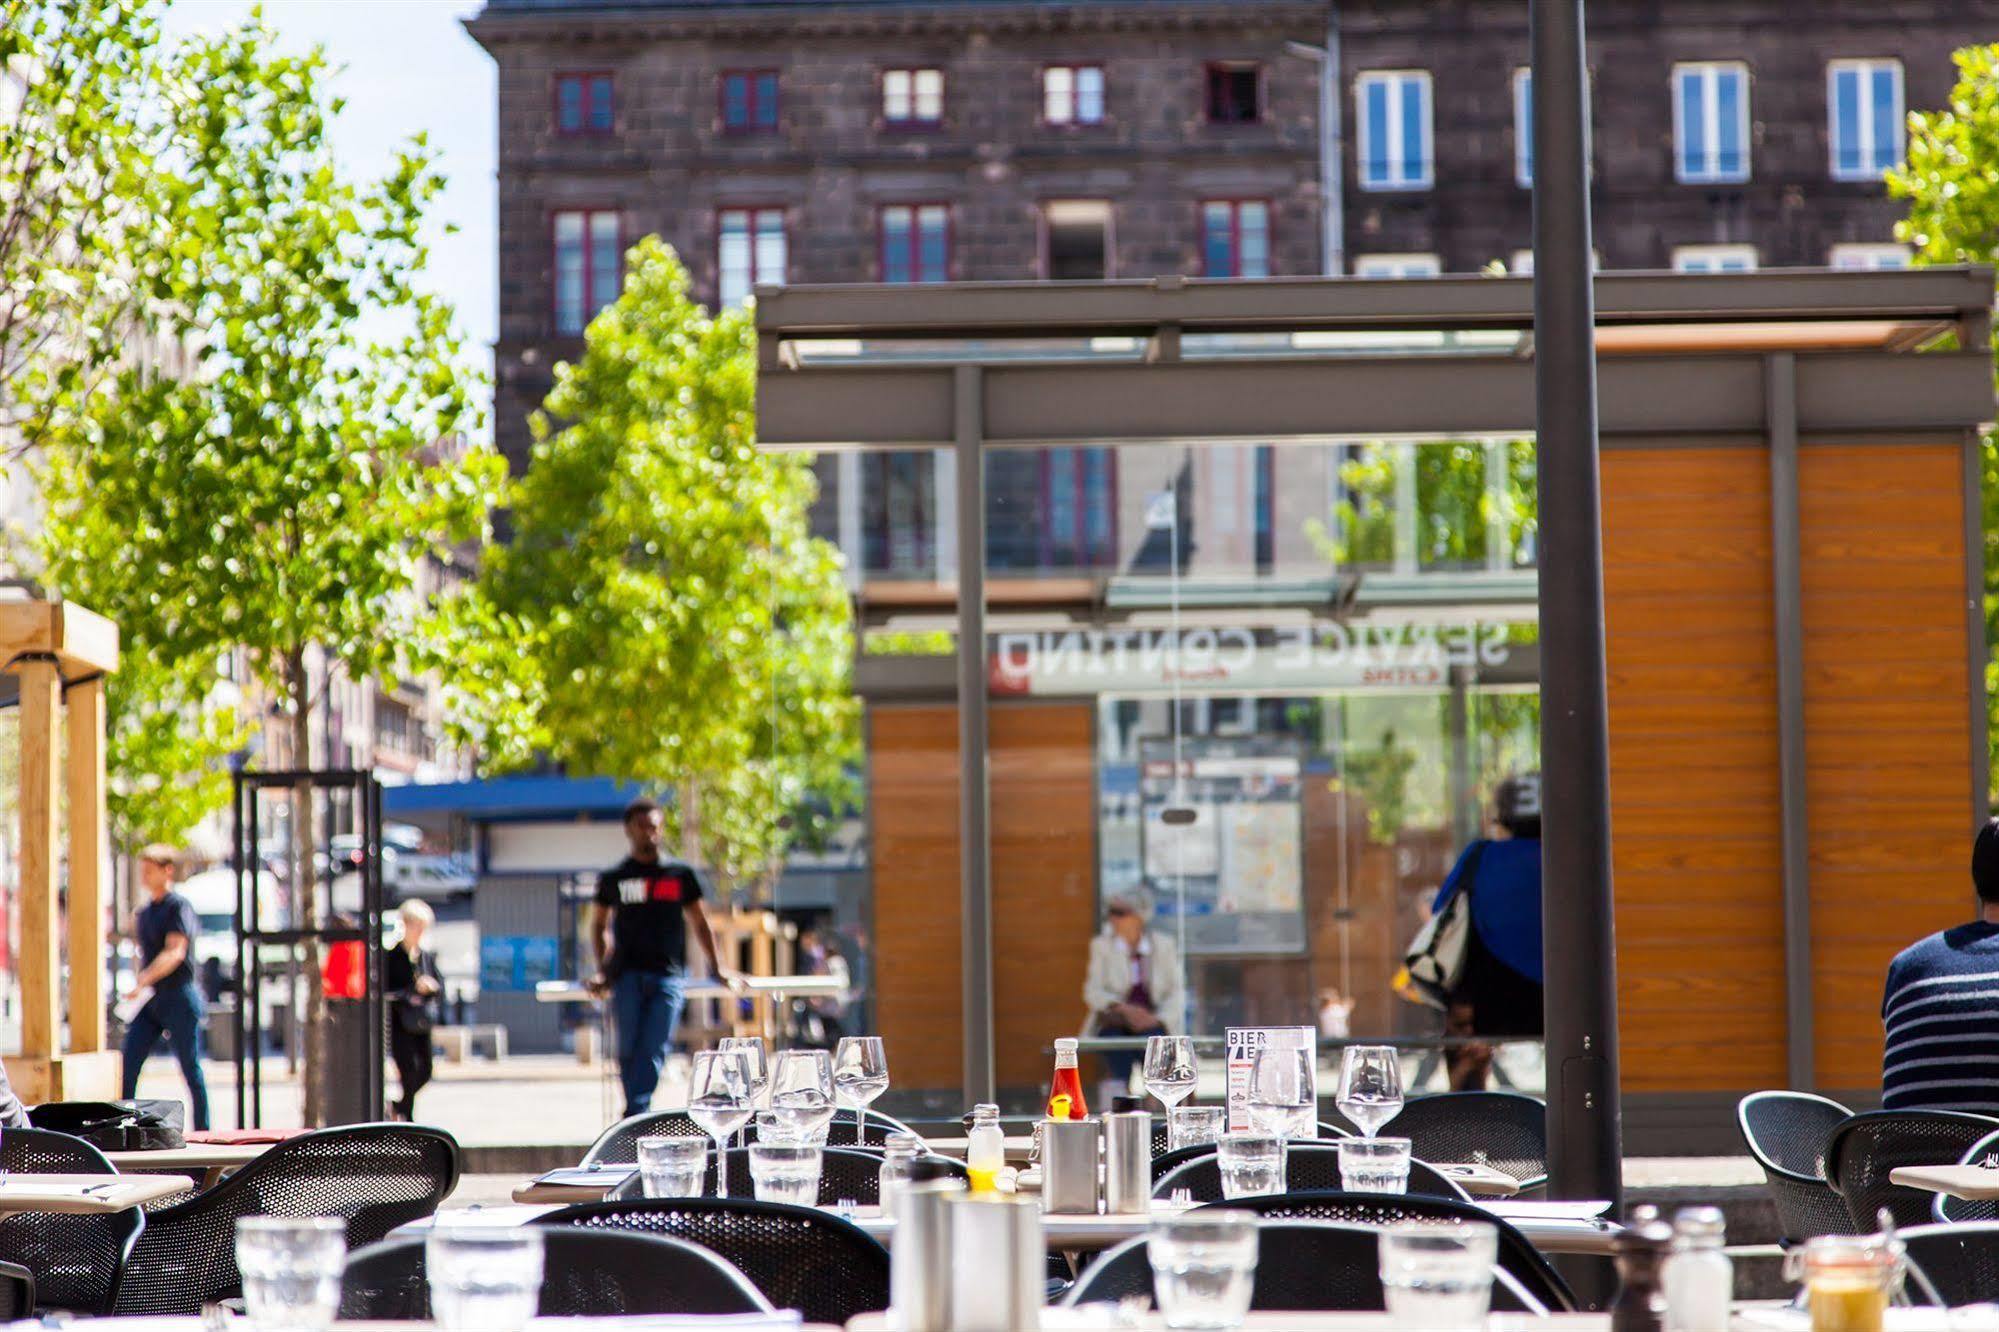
809, 1125
785, 1173
1374, 1165
483, 1279
672, 1167
1438, 1274
1252, 1164
1203, 1267
291, 1269
1189, 1125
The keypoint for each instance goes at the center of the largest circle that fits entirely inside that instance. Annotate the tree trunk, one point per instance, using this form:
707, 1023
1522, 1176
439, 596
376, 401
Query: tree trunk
305, 888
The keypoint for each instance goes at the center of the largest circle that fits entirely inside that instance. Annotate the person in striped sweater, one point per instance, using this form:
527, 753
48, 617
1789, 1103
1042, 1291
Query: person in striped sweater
1941, 1006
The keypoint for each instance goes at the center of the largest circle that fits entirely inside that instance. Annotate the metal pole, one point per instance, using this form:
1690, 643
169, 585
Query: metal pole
974, 861
1332, 176
1780, 395
1580, 949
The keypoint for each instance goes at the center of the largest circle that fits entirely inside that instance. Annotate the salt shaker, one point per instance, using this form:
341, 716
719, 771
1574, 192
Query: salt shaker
1699, 1278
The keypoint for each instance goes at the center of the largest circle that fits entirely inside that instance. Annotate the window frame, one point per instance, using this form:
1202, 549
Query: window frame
584, 129
1864, 64
750, 128
1398, 258
1870, 250
1523, 127
913, 122
915, 207
1745, 117
1075, 122
1681, 253
1260, 112
1045, 537
751, 211
586, 212
1045, 259
1235, 205
1363, 125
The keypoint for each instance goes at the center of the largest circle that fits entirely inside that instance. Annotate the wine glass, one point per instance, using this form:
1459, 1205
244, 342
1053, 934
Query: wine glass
1170, 1070
719, 1101
1281, 1103
1370, 1086
860, 1074
759, 1056
801, 1089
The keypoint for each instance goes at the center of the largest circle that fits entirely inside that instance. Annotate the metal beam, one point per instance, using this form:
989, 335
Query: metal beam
974, 809
1787, 598
1585, 1157
1974, 625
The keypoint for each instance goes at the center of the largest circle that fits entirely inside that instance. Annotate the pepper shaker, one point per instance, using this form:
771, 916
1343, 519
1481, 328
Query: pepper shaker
1641, 1252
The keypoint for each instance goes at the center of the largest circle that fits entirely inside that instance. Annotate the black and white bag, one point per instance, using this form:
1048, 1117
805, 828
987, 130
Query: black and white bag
116, 1126
1435, 960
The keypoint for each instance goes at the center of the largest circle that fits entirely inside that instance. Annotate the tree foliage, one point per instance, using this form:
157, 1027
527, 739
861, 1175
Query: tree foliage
1456, 511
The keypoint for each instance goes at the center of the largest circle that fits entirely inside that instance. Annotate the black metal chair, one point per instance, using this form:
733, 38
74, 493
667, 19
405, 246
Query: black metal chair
799, 1257
618, 1144
1160, 1150
17, 1292
1301, 1266
1787, 1133
1864, 1149
374, 1176
849, 1173
1960, 1260
585, 1273
1504, 1130
1516, 1255
1946, 1208
1308, 1167
77, 1261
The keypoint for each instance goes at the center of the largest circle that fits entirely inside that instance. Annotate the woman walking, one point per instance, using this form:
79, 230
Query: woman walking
411, 985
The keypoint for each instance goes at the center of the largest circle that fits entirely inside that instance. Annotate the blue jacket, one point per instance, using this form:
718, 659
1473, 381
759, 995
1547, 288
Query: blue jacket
1505, 900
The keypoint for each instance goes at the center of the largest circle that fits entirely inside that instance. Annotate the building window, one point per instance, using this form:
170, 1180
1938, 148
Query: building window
583, 104
1072, 94
913, 96
749, 101
1235, 94
1523, 127
1864, 117
1235, 238
915, 243
589, 265
1871, 256
750, 249
1714, 258
1076, 239
898, 525
1079, 497
1711, 122
1522, 262
1397, 265
1394, 130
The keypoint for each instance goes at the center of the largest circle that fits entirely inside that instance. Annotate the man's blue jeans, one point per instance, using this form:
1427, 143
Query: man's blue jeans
646, 1005
174, 1011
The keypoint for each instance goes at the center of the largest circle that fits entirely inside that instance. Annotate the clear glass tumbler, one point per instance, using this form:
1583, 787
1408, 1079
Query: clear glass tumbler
1189, 1125
1252, 1164
797, 1125
785, 1173
673, 1167
291, 1268
1374, 1165
1438, 1274
484, 1279
1203, 1267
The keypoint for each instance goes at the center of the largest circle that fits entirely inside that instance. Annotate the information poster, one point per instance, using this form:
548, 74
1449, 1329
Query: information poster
1236, 867
1242, 1043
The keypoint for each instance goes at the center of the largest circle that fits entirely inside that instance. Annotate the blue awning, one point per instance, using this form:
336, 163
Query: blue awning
508, 798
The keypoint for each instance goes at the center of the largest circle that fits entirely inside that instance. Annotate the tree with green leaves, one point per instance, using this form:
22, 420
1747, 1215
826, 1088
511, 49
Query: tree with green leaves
678, 623
281, 500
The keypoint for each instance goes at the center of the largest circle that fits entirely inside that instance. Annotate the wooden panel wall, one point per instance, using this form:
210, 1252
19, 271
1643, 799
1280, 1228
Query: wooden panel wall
1693, 751
1886, 736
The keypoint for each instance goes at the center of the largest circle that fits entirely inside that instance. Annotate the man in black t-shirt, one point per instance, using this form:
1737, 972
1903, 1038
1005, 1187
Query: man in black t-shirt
166, 929
645, 907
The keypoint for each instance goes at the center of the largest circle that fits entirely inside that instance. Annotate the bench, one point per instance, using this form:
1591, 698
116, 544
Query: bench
456, 1043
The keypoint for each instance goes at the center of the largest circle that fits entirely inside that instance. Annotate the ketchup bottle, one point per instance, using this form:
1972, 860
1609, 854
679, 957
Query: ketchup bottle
1065, 1091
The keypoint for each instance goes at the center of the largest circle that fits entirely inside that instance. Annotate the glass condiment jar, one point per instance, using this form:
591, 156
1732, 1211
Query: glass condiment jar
985, 1149
1848, 1280
1699, 1278
899, 1154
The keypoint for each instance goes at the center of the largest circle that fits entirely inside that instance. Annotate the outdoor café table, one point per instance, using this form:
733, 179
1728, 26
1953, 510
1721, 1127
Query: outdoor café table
214, 1159
84, 1194
1018, 1147
1971, 1182
577, 1184
1751, 1316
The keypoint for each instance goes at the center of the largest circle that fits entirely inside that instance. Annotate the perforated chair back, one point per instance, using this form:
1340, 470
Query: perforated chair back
1961, 1261
1160, 1151
845, 1173
1308, 1167
585, 1274
1504, 1130
374, 1176
77, 1261
1787, 1132
17, 1292
619, 1144
798, 1257
1864, 1149
1947, 1208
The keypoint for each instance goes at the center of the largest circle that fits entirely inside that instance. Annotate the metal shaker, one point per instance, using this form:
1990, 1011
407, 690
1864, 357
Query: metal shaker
1069, 1152
1127, 1157
999, 1239
919, 1269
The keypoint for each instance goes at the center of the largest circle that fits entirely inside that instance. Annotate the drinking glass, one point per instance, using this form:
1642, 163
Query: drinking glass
785, 1172
1280, 1092
809, 1125
758, 1054
1374, 1165
291, 1269
1252, 1164
1170, 1070
1438, 1274
1203, 1267
1370, 1086
719, 1101
672, 1167
801, 1085
860, 1074
1187, 1125
483, 1279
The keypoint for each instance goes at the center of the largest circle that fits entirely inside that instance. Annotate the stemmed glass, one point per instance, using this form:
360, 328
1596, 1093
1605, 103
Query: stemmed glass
1281, 1102
801, 1090
719, 1101
1370, 1086
1170, 1070
860, 1074
759, 1056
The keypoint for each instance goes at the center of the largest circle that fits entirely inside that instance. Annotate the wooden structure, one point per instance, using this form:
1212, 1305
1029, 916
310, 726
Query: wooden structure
54, 658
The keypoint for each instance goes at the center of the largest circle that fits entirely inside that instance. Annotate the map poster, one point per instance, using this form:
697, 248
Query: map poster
1241, 1044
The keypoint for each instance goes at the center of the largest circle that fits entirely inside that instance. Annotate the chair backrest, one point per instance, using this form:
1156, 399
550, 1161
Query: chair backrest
1960, 1259
852, 1174
585, 1273
618, 1144
374, 1176
1160, 1151
1307, 1167
1788, 1132
17, 1292
77, 1261
1504, 1130
799, 1257
1947, 1208
1864, 1149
